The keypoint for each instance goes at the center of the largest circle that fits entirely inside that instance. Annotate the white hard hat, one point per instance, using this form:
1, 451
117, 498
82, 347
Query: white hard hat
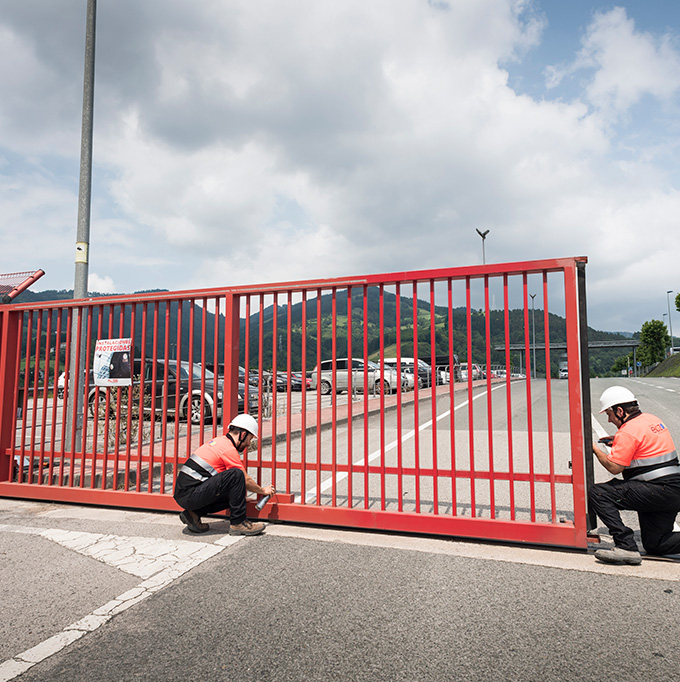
244, 421
615, 395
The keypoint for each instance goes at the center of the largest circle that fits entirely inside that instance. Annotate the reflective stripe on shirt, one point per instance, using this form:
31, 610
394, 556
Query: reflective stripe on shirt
652, 461
198, 468
655, 473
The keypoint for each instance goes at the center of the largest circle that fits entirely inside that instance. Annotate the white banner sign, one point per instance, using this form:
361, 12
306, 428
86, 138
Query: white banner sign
113, 362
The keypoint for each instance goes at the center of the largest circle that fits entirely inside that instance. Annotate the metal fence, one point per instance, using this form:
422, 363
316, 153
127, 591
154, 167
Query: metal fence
487, 456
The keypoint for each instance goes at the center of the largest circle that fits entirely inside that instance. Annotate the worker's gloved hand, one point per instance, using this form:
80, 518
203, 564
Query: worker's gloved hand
606, 440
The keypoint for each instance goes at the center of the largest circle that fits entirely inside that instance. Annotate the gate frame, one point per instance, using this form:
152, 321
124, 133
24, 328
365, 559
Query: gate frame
562, 534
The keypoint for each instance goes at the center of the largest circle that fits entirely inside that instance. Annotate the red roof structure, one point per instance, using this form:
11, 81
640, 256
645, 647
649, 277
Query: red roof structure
13, 283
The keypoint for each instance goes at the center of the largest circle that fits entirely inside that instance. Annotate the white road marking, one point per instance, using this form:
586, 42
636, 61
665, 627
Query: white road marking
334, 480
159, 561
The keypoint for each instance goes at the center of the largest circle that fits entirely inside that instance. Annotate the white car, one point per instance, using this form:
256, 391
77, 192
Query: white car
564, 373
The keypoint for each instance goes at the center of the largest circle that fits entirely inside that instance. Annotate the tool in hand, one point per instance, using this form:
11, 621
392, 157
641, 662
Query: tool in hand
259, 506
607, 440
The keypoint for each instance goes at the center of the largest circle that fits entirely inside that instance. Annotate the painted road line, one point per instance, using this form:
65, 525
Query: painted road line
334, 480
160, 562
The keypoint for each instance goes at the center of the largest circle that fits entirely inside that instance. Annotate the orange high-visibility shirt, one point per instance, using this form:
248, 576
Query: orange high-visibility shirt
220, 454
640, 438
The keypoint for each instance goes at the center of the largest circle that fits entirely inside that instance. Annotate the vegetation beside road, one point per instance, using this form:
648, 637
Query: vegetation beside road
670, 367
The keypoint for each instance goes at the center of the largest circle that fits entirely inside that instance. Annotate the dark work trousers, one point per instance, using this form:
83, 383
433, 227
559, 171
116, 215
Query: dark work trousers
656, 503
226, 490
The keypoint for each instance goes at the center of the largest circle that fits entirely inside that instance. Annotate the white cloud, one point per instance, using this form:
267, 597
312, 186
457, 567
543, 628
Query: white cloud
626, 64
102, 285
246, 142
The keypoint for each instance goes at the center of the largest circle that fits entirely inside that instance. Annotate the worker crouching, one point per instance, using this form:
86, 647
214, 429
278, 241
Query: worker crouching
215, 478
644, 453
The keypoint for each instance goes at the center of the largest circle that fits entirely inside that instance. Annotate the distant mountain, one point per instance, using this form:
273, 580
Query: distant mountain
364, 323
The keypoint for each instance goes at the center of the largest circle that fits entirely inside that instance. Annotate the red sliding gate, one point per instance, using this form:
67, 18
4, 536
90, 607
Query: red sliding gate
483, 441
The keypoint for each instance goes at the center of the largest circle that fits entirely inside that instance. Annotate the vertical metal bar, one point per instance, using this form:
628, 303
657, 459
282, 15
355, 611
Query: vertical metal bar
178, 361
232, 314
142, 397
591, 521
260, 376
367, 488
416, 403
527, 384
260, 371
289, 403
381, 317
548, 392
275, 399
154, 394
25, 320
508, 398
27, 366
216, 372
10, 358
119, 392
489, 410
303, 416
55, 389
433, 386
65, 404
131, 401
350, 402
577, 416
202, 359
190, 360
84, 393
45, 383
334, 393
452, 406
400, 444
471, 421
164, 416
318, 396
107, 410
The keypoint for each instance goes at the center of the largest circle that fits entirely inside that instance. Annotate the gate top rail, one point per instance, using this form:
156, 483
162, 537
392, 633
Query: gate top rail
437, 274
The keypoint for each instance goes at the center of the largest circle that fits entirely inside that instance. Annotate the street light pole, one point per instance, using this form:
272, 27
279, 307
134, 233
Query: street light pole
83, 229
483, 236
533, 330
670, 323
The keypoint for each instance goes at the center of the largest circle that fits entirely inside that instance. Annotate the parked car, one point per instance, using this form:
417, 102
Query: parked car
306, 378
564, 373
180, 397
444, 374
407, 365
476, 372
323, 376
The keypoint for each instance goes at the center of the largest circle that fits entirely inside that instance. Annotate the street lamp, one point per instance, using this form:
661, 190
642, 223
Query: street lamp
483, 236
533, 330
670, 323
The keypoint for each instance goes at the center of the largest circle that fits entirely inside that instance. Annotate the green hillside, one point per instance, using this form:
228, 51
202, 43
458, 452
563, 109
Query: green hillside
670, 367
381, 310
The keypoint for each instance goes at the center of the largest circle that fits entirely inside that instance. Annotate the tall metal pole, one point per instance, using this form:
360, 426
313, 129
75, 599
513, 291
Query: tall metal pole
670, 323
84, 201
533, 330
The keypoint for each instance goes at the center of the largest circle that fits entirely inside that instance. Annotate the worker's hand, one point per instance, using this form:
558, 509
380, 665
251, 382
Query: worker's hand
269, 490
607, 440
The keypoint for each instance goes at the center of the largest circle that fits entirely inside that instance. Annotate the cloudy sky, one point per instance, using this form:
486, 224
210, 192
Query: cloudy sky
246, 141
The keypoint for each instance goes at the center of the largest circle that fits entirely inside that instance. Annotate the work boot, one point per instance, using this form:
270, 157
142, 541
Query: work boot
617, 555
193, 521
246, 528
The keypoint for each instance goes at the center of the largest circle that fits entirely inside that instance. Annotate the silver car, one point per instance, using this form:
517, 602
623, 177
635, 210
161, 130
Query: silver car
327, 381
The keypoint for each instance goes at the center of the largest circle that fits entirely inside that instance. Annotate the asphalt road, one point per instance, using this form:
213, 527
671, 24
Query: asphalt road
315, 604
120, 595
